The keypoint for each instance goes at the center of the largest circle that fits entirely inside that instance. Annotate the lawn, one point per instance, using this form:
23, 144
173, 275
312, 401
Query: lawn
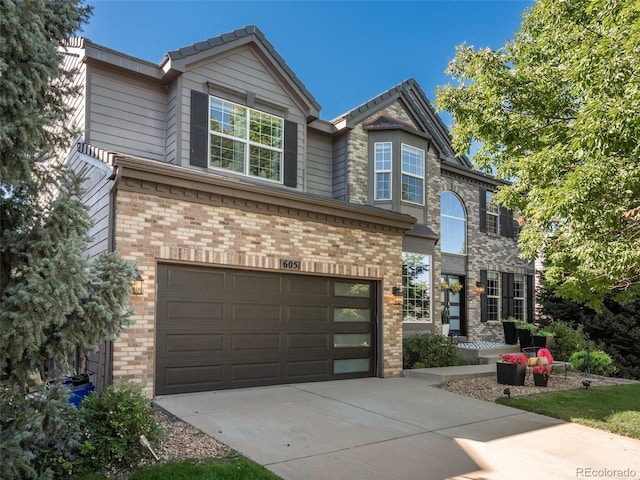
615, 409
213, 469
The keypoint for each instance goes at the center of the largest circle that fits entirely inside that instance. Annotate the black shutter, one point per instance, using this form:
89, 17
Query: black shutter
507, 295
483, 296
483, 210
290, 154
531, 299
199, 129
506, 222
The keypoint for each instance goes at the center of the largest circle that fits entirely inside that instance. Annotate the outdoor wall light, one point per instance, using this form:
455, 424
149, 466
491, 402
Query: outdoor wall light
479, 288
136, 286
397, 295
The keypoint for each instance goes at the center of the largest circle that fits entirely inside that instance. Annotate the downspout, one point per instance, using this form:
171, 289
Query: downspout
111, 234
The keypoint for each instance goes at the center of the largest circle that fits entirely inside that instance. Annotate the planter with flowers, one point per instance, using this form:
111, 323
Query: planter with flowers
542, 368
511, 369
543, 338
525, 331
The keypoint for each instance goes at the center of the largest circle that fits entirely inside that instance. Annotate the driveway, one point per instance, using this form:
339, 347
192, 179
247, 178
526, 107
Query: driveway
399, 428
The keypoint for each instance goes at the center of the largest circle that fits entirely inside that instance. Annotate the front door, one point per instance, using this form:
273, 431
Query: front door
452, 298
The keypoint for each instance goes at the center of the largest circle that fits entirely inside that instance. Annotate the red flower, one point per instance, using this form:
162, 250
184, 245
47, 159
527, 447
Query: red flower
514, 358
542, 369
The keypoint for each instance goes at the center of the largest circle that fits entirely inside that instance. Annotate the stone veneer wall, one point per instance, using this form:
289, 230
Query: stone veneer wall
357, 152
152, 229
484, 252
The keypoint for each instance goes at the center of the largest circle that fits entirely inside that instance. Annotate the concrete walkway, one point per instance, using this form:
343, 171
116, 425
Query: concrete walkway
398, 428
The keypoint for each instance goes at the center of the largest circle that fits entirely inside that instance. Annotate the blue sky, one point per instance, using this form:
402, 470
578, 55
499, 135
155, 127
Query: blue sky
345, 52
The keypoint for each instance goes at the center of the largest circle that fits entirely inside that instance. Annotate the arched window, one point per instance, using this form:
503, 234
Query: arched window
453, 224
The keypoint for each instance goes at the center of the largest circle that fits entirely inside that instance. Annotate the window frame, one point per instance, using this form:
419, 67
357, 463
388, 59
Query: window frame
428, 291
489, 212
494, 296
463, 219
403, 173
245, 140
520, 302
379, 171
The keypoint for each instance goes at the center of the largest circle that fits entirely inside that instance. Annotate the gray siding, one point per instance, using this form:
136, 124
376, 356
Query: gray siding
77, 103
97, 187
126, 114
240, 71
172, 123
340, 159
319, 163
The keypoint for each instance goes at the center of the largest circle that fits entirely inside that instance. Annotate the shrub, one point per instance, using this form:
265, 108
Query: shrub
427, 350
40, 435
114, 423
596, 362
568, 339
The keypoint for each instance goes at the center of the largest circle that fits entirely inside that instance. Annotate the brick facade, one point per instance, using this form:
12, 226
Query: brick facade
152, 229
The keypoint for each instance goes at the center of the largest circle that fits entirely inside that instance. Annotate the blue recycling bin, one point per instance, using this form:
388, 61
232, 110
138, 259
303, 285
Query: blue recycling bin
78, 393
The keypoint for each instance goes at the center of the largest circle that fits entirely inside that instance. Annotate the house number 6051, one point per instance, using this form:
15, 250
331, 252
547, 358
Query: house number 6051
287, 264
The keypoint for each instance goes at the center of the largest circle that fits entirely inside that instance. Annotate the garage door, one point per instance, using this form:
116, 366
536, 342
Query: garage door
225, 328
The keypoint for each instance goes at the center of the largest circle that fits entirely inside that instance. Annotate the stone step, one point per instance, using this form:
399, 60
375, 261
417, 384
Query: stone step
447, 374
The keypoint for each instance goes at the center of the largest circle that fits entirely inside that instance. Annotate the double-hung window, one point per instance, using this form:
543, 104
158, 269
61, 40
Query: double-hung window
416, 286
493, 215
245, 140
493, 296
383, 159
412, 174
520, 296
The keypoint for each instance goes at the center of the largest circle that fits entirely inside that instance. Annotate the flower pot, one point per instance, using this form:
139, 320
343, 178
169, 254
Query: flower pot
511, 373
540, 379
510, 333
542, 341
525, 338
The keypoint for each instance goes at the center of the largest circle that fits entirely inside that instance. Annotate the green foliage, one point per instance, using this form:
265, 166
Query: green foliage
40, 436
596, 362
526, 326
614, 329
568, 340
426, 351
557, 111
114, 423
613, 409
510, 320
222, 469
544, 333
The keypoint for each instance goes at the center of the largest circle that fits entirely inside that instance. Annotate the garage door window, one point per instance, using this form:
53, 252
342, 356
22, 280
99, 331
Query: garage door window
351, 365
352, 315
346, 340
341, 289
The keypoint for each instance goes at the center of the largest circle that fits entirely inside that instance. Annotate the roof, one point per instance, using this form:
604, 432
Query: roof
423, 112
177, 58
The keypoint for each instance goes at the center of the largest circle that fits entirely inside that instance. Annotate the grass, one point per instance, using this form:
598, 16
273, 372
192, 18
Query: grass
237, 468
615, 409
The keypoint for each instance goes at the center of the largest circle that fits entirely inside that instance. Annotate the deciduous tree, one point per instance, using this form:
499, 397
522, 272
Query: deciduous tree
557, 112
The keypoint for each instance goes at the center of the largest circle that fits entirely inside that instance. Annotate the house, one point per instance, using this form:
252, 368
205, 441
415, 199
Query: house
274, 246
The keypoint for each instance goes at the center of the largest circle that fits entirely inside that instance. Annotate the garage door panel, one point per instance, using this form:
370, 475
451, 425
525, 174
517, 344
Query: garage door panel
194, 378
255, 313
312, 286
192, 314
249, 284
197, 342
308, 314
192, 280
307, 340
264, 328
264, 372
255, 341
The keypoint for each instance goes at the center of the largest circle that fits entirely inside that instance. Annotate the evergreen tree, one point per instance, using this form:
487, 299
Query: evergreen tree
52, 299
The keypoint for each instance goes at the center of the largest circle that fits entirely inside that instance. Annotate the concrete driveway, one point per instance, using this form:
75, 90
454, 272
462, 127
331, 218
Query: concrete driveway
399, 428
